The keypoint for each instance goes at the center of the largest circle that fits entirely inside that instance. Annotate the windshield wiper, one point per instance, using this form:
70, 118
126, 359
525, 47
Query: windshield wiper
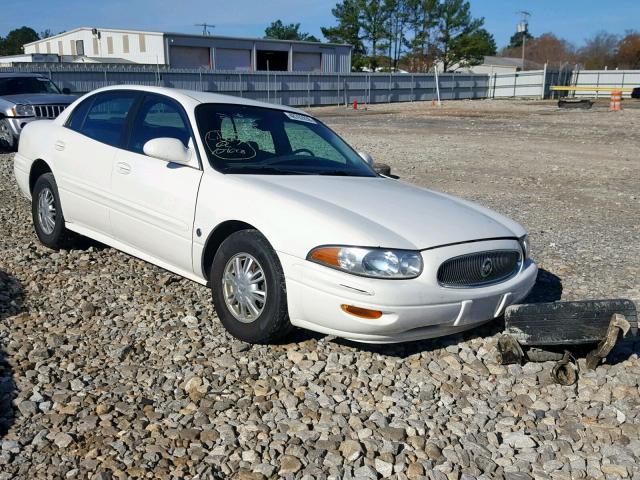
251, 169
338, 173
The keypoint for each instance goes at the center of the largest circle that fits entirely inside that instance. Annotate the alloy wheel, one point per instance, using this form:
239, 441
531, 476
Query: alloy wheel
47, 211
244, 287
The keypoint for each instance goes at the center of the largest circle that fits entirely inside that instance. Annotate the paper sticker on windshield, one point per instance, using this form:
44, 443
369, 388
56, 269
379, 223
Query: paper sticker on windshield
228, 149
300, 118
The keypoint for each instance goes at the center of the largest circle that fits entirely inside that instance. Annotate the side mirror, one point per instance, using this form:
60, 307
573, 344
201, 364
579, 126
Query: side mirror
168, 149
66, 91
366, 157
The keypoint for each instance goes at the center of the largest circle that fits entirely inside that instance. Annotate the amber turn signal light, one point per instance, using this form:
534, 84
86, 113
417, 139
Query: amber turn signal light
327, 256
361, 312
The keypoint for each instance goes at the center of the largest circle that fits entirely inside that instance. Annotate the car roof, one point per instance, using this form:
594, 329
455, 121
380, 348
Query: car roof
14, 75
196, 97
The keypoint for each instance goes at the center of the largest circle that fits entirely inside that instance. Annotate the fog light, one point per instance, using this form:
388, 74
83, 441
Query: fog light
361, 312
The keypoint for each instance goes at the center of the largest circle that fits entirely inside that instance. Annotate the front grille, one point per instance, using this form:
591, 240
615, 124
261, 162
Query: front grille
479, 269
48, 111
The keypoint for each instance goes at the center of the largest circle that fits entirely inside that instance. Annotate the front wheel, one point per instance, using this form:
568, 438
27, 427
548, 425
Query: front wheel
7, 140
249, 291
46, 211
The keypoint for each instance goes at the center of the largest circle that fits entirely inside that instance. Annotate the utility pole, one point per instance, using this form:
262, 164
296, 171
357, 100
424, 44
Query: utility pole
205, 28
523, 28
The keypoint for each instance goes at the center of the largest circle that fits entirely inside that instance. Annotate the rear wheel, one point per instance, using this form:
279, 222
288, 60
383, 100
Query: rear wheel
249, 291
46, 211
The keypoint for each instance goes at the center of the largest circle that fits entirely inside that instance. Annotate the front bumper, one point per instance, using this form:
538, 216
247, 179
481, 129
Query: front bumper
16, 124
412, 309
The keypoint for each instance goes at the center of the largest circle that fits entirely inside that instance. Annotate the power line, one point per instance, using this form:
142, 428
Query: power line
205, 28
523, 28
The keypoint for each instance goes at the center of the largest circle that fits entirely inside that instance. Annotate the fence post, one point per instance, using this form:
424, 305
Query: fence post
365, 91
344, 92
623, 72
308, 89
200, 73
597, 84
389, 94
454, 85
105, 78
515, 83
495, 84
338, 94
544, 82
240, 85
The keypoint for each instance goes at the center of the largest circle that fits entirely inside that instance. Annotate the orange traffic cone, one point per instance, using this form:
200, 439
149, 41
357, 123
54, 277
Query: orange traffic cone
616, 101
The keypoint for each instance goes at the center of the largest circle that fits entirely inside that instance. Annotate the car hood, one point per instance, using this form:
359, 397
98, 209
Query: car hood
381, 211
40, 98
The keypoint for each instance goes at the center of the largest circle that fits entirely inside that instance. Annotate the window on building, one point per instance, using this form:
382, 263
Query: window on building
60, 48
80, 47
110, 45
143, 43
125, 44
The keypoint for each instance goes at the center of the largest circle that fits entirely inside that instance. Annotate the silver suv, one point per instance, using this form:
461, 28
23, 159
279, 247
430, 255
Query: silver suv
25, 97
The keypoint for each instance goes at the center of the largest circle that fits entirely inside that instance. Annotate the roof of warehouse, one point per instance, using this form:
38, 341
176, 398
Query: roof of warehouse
119, 30
187, 35
503, 61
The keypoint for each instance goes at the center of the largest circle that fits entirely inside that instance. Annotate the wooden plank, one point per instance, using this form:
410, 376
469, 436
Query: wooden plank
566, 323
560, 88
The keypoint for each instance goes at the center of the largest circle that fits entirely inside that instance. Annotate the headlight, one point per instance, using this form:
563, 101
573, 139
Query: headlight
369, 262
24, 111
524, 244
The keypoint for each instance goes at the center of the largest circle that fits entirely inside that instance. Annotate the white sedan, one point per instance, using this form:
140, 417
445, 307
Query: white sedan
286, 223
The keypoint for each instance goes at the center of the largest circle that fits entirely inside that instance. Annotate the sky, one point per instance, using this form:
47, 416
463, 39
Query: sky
574, 20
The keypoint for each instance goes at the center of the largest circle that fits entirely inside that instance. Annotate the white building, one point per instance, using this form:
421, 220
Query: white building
103, 45
489, 66
178, 50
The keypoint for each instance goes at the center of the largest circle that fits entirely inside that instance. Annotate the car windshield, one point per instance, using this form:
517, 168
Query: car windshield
256, 140
20, 85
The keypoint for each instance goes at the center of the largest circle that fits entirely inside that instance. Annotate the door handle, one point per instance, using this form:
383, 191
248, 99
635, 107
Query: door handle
123, 168
59, 145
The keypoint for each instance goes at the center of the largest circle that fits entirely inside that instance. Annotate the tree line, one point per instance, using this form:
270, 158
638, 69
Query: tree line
410, 34
601, 50
415, 34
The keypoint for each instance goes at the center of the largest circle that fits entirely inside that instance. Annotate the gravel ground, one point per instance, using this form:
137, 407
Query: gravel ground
112, 368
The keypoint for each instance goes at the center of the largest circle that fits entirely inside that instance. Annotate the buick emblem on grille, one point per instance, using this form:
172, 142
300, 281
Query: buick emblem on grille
487, 268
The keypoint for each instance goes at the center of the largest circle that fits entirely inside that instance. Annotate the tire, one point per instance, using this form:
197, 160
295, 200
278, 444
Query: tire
270, 320
7, 141
52, 233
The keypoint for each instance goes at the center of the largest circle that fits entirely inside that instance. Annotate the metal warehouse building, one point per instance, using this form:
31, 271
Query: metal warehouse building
177, 50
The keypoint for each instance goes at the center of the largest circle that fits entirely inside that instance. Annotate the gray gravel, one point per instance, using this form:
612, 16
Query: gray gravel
117, 369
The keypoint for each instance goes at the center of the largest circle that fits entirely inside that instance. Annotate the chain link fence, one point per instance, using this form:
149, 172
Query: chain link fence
290, 88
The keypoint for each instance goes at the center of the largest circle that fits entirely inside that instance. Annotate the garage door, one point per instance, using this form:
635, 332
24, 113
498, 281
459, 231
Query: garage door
190, 57
233, 59
306, 62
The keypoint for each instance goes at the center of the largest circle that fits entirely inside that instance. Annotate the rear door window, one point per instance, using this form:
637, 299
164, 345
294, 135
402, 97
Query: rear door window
76, 119
107, 117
